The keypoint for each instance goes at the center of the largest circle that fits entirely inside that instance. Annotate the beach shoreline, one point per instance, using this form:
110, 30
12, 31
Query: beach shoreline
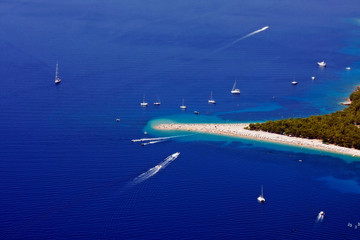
238, 130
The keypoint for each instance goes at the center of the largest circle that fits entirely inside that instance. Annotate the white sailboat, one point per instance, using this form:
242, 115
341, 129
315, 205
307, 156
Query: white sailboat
261, 198
57, 79
235, 90
158, 102
211, 100
143, 103
183, 106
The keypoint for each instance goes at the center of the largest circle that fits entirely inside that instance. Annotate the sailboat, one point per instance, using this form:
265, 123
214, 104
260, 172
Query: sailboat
211, 100
183, 106
261, 198
235, 90
157, 103
143, 103
57, 79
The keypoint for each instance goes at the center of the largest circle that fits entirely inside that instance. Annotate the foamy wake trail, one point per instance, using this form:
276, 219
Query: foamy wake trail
319, 218
154, 170
153, 142
239, 39
146, 175
158, 139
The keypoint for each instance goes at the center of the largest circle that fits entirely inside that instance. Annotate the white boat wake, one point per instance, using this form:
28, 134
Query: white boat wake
152, 171
152, 142
320, 217
159, 138
239, 39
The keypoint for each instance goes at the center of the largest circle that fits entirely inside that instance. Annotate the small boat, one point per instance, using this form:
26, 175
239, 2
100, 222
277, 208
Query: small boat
235, 90
348, 68
158, 166
321, 64
183, 106
211, 100
143, 103
321, 213
158, 102
57, 79
312, 78
196, 112
118, 119
294, 82
261, 198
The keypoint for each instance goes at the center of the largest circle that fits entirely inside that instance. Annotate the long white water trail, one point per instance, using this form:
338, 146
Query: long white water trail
153, 142
159, 138
239, 39
152, 171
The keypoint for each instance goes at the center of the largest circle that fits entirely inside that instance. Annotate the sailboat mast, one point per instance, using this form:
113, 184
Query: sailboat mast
56, 72
262, 191
234, 85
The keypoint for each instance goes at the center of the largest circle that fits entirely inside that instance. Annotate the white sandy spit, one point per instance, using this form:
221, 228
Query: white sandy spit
238, 130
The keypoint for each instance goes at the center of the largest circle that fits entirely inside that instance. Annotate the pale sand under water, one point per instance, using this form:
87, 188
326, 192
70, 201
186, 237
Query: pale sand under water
238, 130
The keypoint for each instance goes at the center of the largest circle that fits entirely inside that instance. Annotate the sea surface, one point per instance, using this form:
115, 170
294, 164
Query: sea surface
68, 170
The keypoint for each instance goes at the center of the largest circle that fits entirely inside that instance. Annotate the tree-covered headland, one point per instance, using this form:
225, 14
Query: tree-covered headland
341, 128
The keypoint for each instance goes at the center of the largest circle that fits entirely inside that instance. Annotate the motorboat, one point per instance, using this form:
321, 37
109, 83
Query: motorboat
321, 64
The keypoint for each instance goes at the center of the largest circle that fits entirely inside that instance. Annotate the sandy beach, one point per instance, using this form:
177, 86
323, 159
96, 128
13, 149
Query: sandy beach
238, 130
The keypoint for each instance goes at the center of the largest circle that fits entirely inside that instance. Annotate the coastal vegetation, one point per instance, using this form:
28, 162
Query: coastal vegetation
340, 128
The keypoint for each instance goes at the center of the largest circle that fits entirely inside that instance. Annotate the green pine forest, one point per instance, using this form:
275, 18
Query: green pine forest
340, 128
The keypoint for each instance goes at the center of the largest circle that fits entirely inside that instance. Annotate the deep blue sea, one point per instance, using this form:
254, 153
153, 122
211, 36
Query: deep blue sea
67, 167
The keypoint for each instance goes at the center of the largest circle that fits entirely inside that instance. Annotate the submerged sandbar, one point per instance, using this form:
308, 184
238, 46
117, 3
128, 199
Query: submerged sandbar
238, 130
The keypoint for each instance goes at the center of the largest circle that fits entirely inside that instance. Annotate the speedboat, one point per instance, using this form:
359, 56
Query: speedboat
321, 213
321, 64
348, 68
294, 82
196, 112
312, 78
